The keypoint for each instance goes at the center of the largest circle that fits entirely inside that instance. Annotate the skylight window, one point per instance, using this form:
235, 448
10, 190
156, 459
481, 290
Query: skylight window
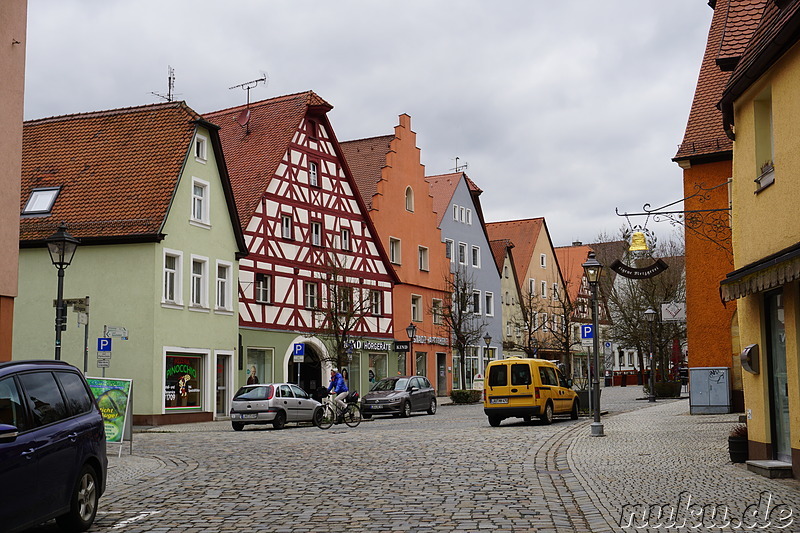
41, 201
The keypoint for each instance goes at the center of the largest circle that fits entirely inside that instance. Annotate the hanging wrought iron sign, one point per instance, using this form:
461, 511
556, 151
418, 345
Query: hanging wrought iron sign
640, 240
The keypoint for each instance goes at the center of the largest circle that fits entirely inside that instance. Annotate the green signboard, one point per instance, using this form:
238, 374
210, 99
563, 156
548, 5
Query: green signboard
114, 399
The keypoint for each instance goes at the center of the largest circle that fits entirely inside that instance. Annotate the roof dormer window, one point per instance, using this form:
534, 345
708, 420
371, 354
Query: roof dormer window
41, 201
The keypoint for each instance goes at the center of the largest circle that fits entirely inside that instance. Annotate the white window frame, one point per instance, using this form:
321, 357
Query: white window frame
544, 321
176, 275
543, 260
198, 282
476, 299
416, 308
224, 287
200, 203
423, 258
395, 251
469, 217
313, 173
263, 291
461, 213
409, 199
345, 235
543, 285
449, 250
489, 303
376, 302
505, 271
316, 233
201, 148
310, 294
462, 253
287, 226
532, 287
437, 309
554, 291
455, 212
475, 256
41, 201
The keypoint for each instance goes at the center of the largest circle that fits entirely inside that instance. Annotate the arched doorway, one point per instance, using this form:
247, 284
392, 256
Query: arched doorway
309, 377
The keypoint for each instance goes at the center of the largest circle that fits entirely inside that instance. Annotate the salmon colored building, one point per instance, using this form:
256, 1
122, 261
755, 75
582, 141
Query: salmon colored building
13, 13
391, 180
706, 157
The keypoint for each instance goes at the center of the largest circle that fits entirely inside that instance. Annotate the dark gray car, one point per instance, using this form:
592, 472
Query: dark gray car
399, 396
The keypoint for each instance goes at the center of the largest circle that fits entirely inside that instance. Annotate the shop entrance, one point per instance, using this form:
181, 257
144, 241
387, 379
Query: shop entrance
778, 383
223, 371
308, 373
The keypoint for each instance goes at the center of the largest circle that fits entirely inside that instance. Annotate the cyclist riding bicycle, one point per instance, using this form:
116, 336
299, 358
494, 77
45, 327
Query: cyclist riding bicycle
338, 387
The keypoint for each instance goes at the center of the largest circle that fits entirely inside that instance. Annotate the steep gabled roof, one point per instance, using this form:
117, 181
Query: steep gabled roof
366, 158
442, 188
523, 233
117, 171
254, 151
778, 30
500, 248
742, 19
570, 262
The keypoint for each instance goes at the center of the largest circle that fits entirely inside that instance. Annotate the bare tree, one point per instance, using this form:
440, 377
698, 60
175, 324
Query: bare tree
466, 328
629, 298
342, 311
546, 325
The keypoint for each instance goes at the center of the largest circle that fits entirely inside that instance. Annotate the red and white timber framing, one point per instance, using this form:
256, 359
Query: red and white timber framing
291, 262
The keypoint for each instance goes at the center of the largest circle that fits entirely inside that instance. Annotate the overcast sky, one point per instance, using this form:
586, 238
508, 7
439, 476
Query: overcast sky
564, 109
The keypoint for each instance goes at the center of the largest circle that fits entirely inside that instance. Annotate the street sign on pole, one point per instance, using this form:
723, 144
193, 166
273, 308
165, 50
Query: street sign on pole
116, 331
103, 363
587, 334
103, 344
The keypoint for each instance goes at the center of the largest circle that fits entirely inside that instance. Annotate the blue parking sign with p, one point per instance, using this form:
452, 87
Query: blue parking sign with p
587, 331
299, 349
103, 344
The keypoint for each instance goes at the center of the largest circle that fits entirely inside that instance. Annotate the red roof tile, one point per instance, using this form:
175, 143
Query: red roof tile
523, 233
704, 134
117, 169
366, 158
743, 17
442, 189
570, 262
254, 157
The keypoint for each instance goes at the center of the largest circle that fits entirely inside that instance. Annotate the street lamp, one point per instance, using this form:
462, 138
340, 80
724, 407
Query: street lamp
488, 340
592, 269
61, 246
650, 316
411, 331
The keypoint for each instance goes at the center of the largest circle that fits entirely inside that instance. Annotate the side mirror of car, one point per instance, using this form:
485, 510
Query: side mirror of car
413, 389
8, 433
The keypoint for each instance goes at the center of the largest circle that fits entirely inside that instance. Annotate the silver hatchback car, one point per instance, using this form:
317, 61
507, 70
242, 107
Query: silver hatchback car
273, 403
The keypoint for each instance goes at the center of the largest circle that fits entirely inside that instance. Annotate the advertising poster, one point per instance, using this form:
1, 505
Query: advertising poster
113, 398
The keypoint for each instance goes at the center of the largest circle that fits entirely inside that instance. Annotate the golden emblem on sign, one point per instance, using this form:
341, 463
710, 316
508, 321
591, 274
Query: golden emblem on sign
638, 242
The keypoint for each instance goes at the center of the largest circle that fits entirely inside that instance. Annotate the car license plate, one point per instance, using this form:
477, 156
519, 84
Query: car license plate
498, 400
374, 406
250, 415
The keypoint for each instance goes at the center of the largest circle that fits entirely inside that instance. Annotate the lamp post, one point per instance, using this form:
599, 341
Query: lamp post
411, 331
650, 316
61, 246
488, 340
592, 269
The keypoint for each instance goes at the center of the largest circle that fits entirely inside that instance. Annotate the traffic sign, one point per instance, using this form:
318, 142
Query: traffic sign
116, 331
103, 363
587, 331
299, 349
103, 344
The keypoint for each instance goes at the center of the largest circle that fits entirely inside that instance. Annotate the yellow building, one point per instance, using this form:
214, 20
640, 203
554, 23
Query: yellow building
761, 112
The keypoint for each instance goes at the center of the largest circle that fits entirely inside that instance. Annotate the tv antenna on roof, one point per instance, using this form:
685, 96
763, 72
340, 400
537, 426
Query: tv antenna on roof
460, 168
170, 84
244, 117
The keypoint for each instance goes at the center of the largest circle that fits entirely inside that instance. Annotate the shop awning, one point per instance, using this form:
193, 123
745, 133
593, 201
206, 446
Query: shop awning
769, 273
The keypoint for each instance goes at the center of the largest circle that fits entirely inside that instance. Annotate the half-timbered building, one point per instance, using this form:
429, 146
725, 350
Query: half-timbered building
315, 259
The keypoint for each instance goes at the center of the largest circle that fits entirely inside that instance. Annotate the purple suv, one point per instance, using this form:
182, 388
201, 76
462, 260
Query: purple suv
52, 446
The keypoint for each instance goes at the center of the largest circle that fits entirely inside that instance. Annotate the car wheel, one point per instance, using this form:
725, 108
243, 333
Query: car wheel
432, 408
547, 416
83, 502
237, 426
316, 418
280, 420
406, 412
574, 413
494, 421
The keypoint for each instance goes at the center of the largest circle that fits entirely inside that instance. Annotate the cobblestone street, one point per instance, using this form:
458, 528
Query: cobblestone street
447, 472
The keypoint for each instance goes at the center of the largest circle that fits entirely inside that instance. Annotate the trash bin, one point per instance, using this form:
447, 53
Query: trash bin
623, 380
608, 378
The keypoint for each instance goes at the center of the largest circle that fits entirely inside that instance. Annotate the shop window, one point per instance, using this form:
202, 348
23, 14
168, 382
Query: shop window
183, 384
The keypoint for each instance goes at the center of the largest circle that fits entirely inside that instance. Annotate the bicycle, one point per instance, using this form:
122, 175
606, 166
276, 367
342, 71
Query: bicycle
333, 414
